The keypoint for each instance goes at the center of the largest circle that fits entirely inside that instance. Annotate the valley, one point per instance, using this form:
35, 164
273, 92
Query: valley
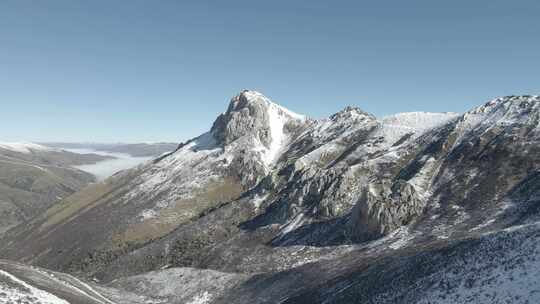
34, 176
270, 206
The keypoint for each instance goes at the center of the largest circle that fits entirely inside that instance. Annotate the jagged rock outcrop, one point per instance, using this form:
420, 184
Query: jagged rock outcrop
247, 115
253, 132
383, 208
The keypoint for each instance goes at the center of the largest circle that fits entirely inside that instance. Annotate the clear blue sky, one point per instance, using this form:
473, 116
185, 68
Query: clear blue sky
162, 70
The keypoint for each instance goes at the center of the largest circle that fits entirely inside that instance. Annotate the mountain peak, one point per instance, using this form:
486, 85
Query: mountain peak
512, 100
523, 109
256, 100
260, 123
350, 112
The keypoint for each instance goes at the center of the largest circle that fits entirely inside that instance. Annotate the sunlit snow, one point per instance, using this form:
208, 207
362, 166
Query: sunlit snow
23, 147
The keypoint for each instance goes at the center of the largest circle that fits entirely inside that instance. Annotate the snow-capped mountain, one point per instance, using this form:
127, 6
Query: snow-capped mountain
282, 208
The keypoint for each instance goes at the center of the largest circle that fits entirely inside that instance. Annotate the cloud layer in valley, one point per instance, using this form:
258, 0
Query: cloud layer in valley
106, 168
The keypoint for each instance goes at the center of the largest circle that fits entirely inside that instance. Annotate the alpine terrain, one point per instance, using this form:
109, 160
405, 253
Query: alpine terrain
270, 206
33, 177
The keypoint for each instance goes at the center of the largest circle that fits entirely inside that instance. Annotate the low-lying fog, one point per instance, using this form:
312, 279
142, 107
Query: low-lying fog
106, 168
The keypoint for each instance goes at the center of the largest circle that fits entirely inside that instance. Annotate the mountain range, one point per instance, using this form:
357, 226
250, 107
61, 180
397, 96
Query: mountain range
133, 149
270, 206
33, 177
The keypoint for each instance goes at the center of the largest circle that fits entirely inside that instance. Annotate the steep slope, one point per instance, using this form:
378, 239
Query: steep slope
296, 210
180, 285
254, 138
33, 177
496, 268
23, 284
150, 201
433, 255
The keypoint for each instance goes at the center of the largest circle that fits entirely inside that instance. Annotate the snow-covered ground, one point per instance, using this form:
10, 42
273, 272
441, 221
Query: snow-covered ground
106, 168
23, 147
416, 123
18, 291
504, 269
20, 283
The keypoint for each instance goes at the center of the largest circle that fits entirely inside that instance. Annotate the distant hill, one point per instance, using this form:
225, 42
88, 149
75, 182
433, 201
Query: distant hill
33, 177
135, 149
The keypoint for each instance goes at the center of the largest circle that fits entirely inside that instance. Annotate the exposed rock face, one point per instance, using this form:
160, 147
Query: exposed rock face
267, 191
382, 209
254, 120
156, 198
254, 131
247, 115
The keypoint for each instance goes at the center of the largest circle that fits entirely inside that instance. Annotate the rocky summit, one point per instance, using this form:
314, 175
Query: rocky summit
270, 206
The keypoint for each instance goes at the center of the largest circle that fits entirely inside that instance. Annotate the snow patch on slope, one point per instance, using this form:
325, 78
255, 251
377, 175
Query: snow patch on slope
403, 238
256, 95
26, 293
181, 285
398, 125
182, 164
278, 117
510, 276
202, 298
501, 112
277, 122
23, 147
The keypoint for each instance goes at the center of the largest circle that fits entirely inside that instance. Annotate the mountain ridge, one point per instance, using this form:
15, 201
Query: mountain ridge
346, 191
33, 177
